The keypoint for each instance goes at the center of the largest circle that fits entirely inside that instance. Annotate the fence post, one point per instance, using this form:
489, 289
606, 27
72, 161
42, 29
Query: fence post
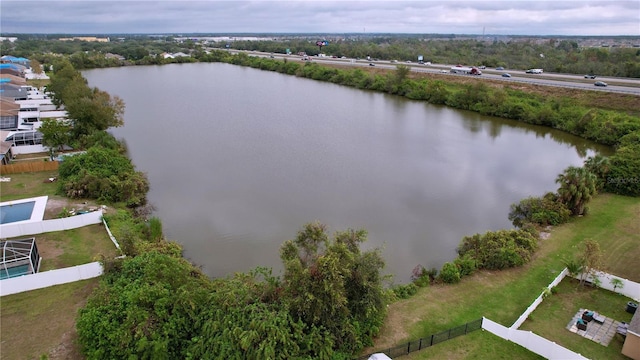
420, 344
431, 340
409, 347
465, 327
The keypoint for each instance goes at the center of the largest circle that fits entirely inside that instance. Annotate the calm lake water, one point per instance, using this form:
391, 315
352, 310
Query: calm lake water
240, 159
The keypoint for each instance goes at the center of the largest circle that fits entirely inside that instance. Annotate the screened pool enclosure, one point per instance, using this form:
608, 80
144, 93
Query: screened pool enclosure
19, 257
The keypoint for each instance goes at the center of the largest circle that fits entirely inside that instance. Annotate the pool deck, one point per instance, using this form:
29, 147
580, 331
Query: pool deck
602, 333
38, 208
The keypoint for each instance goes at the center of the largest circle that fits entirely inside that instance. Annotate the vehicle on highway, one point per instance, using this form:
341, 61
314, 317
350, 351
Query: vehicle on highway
499, 68
534, 71
506, 75
443, 71
466, 70
372, 64
600, 83
483, 67
589, 76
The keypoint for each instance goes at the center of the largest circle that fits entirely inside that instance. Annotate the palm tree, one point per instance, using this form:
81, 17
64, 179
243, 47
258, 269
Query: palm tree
577, 187
600, 166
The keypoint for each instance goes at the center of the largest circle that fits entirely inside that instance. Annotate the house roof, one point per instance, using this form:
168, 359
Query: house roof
13, 79
634, 325
5, 146
9, 71
8, 107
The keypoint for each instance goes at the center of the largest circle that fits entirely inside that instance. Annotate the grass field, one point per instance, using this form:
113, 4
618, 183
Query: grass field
62, 249
26, 185
503, 295
552, 316
42, 322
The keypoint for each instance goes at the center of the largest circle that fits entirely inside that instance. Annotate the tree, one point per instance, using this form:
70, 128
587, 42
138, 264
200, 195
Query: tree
591, 258
617, 283
331, 284
104, 174
599, 166
542, 211
35, 66
244, 319
144, 308
94, 112
55, 133
89, 109
577, 187
574, 267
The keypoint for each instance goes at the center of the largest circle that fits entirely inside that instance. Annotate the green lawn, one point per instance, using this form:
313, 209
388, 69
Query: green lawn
62, 249
42, 322
26, 185
479, 344
552, 316
503, 295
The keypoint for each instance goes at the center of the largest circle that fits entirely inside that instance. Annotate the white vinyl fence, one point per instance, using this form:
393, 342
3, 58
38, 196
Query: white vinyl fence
59, 276
532, 342
629, 288
538, 300
49, 278
32, 228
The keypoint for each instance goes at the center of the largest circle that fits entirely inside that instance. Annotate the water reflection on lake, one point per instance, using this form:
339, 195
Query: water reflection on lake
239, 159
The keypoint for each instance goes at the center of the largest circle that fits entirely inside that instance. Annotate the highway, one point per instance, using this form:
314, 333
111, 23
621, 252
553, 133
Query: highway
615, 84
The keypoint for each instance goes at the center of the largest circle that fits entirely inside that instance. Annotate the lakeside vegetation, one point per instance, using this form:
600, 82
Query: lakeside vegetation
156, 273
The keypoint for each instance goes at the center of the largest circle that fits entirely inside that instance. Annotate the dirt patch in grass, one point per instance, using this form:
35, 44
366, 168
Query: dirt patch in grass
42, 322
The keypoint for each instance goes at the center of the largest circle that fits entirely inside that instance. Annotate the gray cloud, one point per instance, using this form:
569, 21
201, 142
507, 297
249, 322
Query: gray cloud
515, 17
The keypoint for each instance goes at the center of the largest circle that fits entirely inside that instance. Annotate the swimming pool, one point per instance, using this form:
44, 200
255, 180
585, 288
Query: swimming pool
16, 212
22, 211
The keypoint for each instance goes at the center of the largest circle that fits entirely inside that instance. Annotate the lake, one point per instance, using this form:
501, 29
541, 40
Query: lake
240, 159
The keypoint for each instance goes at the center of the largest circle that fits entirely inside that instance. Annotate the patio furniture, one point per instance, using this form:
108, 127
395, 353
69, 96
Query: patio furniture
598, 318
587, 316
581, 324
622, 329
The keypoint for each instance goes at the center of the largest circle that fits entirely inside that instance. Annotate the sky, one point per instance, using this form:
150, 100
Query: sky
500, 17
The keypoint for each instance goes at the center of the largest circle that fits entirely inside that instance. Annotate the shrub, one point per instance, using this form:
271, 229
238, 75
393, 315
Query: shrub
420, 276
499, 249
104, 174
543, 211
405, 291
450, 273
623, 177
466, 264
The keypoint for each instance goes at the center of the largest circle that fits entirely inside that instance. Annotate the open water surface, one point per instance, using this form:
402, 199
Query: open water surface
239, 159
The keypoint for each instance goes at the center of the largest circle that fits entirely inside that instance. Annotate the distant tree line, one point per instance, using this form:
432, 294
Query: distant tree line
562, 56
555, 55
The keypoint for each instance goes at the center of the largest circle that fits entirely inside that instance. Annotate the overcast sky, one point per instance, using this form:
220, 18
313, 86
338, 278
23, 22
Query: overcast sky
514, 17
